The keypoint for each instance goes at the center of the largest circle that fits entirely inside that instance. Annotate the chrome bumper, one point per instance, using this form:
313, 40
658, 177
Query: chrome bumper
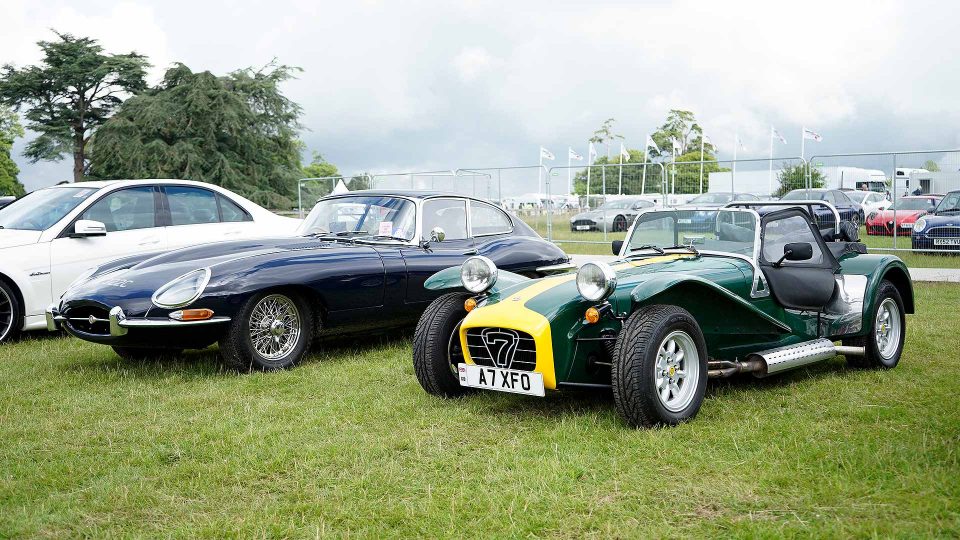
120, 324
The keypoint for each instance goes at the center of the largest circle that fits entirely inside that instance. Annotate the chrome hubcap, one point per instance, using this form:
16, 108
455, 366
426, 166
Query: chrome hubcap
677, 371
275, 327
887, 328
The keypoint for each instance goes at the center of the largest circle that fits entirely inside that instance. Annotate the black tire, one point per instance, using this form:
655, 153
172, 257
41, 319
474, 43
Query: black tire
237, 347
145, 353
436, 351
874, 359
635, 365
11, 314
619, 224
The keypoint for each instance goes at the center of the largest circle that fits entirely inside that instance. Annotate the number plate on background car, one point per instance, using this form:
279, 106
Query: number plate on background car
501, 380
906, 225
685, 221
946, 241
583, 227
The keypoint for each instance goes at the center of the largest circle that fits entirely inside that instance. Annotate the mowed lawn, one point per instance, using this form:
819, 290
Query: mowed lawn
349, 445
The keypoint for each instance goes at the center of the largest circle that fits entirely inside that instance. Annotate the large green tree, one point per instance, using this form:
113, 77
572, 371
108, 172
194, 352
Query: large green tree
237, 131
931, 166
10, 129
683, 126
69, 94
318, 168
794, 176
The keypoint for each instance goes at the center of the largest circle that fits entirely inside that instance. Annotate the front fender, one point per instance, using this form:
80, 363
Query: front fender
716, 309
449, 278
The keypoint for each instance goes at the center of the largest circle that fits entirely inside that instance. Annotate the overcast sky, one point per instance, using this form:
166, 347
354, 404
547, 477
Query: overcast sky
401, 86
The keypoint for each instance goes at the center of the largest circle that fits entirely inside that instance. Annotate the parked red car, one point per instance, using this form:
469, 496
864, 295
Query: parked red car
908, 209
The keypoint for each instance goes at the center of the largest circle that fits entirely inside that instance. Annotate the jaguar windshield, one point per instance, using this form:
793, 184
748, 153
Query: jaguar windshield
726, 231
362, 216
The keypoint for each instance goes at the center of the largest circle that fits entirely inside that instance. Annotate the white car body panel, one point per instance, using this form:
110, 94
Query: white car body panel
871, 201
42, 264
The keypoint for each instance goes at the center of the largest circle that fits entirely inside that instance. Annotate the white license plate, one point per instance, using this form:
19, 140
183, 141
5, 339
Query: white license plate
906, 225
685, 221
583, 227
946, 241
501, 380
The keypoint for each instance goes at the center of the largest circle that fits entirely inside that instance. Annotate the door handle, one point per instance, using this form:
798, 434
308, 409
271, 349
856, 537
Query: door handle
470, 252
149, 242
232, 233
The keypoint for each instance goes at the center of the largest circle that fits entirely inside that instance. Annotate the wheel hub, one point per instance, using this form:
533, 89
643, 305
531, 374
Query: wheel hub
276, 327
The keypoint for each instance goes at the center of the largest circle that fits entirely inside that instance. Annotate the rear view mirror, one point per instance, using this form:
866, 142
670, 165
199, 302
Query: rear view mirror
931, 210
84, 228
798, 251
617, 245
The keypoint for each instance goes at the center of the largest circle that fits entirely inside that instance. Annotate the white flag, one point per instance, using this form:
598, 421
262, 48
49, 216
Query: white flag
545, 154
740, 143
573, 154
624, 153
810, 134
591, 153
652, 144
775, 133
677, 148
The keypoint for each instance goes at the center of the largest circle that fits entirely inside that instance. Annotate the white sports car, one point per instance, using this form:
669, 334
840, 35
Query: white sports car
871, 201
54, 235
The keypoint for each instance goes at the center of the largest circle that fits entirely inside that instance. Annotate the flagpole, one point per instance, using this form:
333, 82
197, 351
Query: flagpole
569, 185
770, 165
733, 175
604, 173
702, 136
646, 154
589, 147
802, 140
620, 180
540, 176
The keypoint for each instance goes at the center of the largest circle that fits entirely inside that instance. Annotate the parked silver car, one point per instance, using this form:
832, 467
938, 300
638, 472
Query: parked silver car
612, 216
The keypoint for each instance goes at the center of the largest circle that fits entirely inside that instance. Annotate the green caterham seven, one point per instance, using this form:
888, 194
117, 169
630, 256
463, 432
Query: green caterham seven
751, 289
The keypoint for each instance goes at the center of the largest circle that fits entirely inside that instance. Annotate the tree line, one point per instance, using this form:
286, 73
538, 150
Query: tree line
236, 130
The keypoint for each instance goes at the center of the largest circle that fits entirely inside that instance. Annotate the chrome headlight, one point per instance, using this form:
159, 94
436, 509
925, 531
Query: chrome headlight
920, 225
82, 277
596, 281
478, 274
183, 290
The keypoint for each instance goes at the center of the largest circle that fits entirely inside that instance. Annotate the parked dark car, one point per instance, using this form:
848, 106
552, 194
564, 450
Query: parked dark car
703, 219
358, 264
612, 216
941, 228
849, 209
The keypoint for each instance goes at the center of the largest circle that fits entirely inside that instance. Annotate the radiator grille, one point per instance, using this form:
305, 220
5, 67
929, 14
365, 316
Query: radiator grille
502, 347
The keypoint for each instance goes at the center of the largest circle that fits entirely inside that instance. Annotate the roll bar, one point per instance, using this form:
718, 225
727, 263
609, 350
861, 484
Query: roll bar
809, 204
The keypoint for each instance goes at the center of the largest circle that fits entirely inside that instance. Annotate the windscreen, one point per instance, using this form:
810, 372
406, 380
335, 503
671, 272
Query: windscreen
725, 230
362, 215
41, 209
913, 204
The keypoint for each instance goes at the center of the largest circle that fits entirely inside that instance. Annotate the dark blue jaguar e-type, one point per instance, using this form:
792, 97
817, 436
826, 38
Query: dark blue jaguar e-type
358, 265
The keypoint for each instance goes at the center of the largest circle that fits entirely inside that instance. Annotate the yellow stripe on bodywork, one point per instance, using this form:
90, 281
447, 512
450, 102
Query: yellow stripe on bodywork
512, 312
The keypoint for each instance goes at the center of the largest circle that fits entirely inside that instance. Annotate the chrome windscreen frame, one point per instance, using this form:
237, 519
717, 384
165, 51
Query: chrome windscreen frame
759, 287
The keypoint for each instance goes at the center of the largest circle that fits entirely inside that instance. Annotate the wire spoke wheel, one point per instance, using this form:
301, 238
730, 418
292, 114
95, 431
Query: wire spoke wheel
275, 327
677, 370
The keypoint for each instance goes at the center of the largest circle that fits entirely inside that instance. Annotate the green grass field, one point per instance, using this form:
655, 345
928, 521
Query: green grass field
349, 445
570, 241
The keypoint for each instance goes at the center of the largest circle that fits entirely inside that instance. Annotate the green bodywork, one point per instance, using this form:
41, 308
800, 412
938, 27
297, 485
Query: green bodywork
715, 289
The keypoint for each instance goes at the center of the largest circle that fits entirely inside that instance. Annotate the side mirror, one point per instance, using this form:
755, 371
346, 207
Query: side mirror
796, 251
931, 210
84, 228
617, 245
437, 235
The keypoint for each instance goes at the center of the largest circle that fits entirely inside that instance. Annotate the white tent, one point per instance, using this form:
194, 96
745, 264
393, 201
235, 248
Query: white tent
340, 188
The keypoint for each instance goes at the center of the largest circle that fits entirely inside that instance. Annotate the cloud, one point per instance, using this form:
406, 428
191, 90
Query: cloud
424, 85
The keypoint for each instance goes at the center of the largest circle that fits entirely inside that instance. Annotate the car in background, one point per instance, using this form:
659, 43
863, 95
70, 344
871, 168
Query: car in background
611, 216
901, 215
51, 236
6, 199
871, 201
940, 229
357, 266
702, 219
848, 209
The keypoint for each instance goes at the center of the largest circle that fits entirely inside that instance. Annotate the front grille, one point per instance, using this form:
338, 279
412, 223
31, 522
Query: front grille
502, 347
944, 232
588, 222
89, 319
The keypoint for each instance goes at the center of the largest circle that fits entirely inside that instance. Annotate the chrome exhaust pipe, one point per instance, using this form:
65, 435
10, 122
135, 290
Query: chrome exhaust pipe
781, 359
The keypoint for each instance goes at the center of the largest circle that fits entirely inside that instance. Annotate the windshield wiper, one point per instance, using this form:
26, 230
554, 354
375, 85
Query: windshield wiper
658, 249
687, 247
385, 237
